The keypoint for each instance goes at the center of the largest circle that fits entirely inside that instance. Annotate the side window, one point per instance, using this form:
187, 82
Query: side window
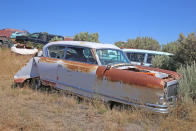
80, 54
71, 54
149, 59
128, 56
137, 57
56, 52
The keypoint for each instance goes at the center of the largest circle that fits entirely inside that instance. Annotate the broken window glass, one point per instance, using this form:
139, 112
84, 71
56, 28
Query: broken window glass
80, 55
56, 52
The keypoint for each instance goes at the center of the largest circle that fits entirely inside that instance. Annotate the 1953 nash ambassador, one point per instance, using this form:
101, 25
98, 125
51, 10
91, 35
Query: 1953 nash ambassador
94, 69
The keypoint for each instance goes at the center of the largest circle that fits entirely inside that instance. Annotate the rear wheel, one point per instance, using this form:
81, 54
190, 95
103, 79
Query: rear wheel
36, 83
1, 44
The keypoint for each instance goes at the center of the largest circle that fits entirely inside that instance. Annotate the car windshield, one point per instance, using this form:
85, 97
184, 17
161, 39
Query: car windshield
111, 56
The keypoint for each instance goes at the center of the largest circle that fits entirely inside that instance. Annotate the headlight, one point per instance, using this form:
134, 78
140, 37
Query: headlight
161, 100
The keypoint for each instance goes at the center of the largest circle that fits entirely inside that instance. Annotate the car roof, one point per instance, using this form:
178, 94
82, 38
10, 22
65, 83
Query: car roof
147, 51
82, 44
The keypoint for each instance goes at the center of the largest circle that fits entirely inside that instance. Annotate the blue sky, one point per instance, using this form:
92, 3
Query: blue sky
114, 20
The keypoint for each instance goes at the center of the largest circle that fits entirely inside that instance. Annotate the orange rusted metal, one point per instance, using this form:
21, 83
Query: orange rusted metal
169, 79
147, 73
48, 60
130, 77
71, 65
19, 80
48, 83
79, 67
175, 74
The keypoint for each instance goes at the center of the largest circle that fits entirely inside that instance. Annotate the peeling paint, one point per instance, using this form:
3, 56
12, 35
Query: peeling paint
48, 60
130, 77
79, 67
48, 83
174, 74
71, 65
19, 80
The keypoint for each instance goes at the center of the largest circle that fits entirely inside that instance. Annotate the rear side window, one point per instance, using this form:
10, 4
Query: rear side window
80, 54
137, 57
56, 52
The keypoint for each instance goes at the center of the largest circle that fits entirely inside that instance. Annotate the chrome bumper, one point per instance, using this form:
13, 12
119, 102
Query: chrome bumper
155, 108
163, 109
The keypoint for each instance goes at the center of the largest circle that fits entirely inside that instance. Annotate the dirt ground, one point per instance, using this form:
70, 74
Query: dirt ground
29, 109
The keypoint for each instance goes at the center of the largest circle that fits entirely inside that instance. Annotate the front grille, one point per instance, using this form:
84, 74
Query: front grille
172, 90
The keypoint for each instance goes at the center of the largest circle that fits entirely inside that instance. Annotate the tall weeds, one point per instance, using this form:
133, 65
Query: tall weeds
27, 109
187, 84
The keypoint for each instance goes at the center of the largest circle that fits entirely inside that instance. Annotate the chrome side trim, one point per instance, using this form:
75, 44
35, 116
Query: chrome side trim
156, 108
172, 83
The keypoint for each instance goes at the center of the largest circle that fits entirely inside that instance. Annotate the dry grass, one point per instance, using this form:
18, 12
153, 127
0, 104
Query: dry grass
27, 109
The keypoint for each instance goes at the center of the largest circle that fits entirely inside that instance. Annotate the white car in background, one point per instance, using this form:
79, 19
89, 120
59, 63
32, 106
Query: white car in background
143, 57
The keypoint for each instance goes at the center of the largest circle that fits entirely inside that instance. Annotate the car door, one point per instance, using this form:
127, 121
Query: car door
77, 72
48, 65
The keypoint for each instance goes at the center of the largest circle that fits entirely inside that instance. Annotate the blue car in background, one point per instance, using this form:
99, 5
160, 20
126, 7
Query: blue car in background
14, 34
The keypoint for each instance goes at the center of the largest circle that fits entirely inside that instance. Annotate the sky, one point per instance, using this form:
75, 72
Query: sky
114, 20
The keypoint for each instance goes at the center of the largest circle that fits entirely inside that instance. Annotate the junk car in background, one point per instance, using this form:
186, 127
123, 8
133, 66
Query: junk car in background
94, 69
143, 57
5, 42
12, 33
18, 33
23, 50
40, 37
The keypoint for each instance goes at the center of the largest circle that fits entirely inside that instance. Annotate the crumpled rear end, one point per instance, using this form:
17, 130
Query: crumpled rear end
30, 70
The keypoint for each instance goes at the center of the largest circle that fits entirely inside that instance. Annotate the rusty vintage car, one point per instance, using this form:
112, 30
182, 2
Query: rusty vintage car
101, 70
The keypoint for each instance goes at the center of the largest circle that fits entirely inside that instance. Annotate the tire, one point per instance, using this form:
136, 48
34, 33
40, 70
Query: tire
117, 106
35, 83
1, 44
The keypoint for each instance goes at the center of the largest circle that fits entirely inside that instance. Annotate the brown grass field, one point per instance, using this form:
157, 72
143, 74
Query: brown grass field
28, 109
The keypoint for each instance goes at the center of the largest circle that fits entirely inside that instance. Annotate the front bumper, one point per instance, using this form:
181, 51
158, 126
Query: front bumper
163, 109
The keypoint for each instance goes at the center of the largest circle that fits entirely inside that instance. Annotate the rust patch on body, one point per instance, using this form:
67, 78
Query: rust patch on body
71, 65
79, 67
19, 80
130, 77
147, 73
47, 60
48, 83
174, 74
